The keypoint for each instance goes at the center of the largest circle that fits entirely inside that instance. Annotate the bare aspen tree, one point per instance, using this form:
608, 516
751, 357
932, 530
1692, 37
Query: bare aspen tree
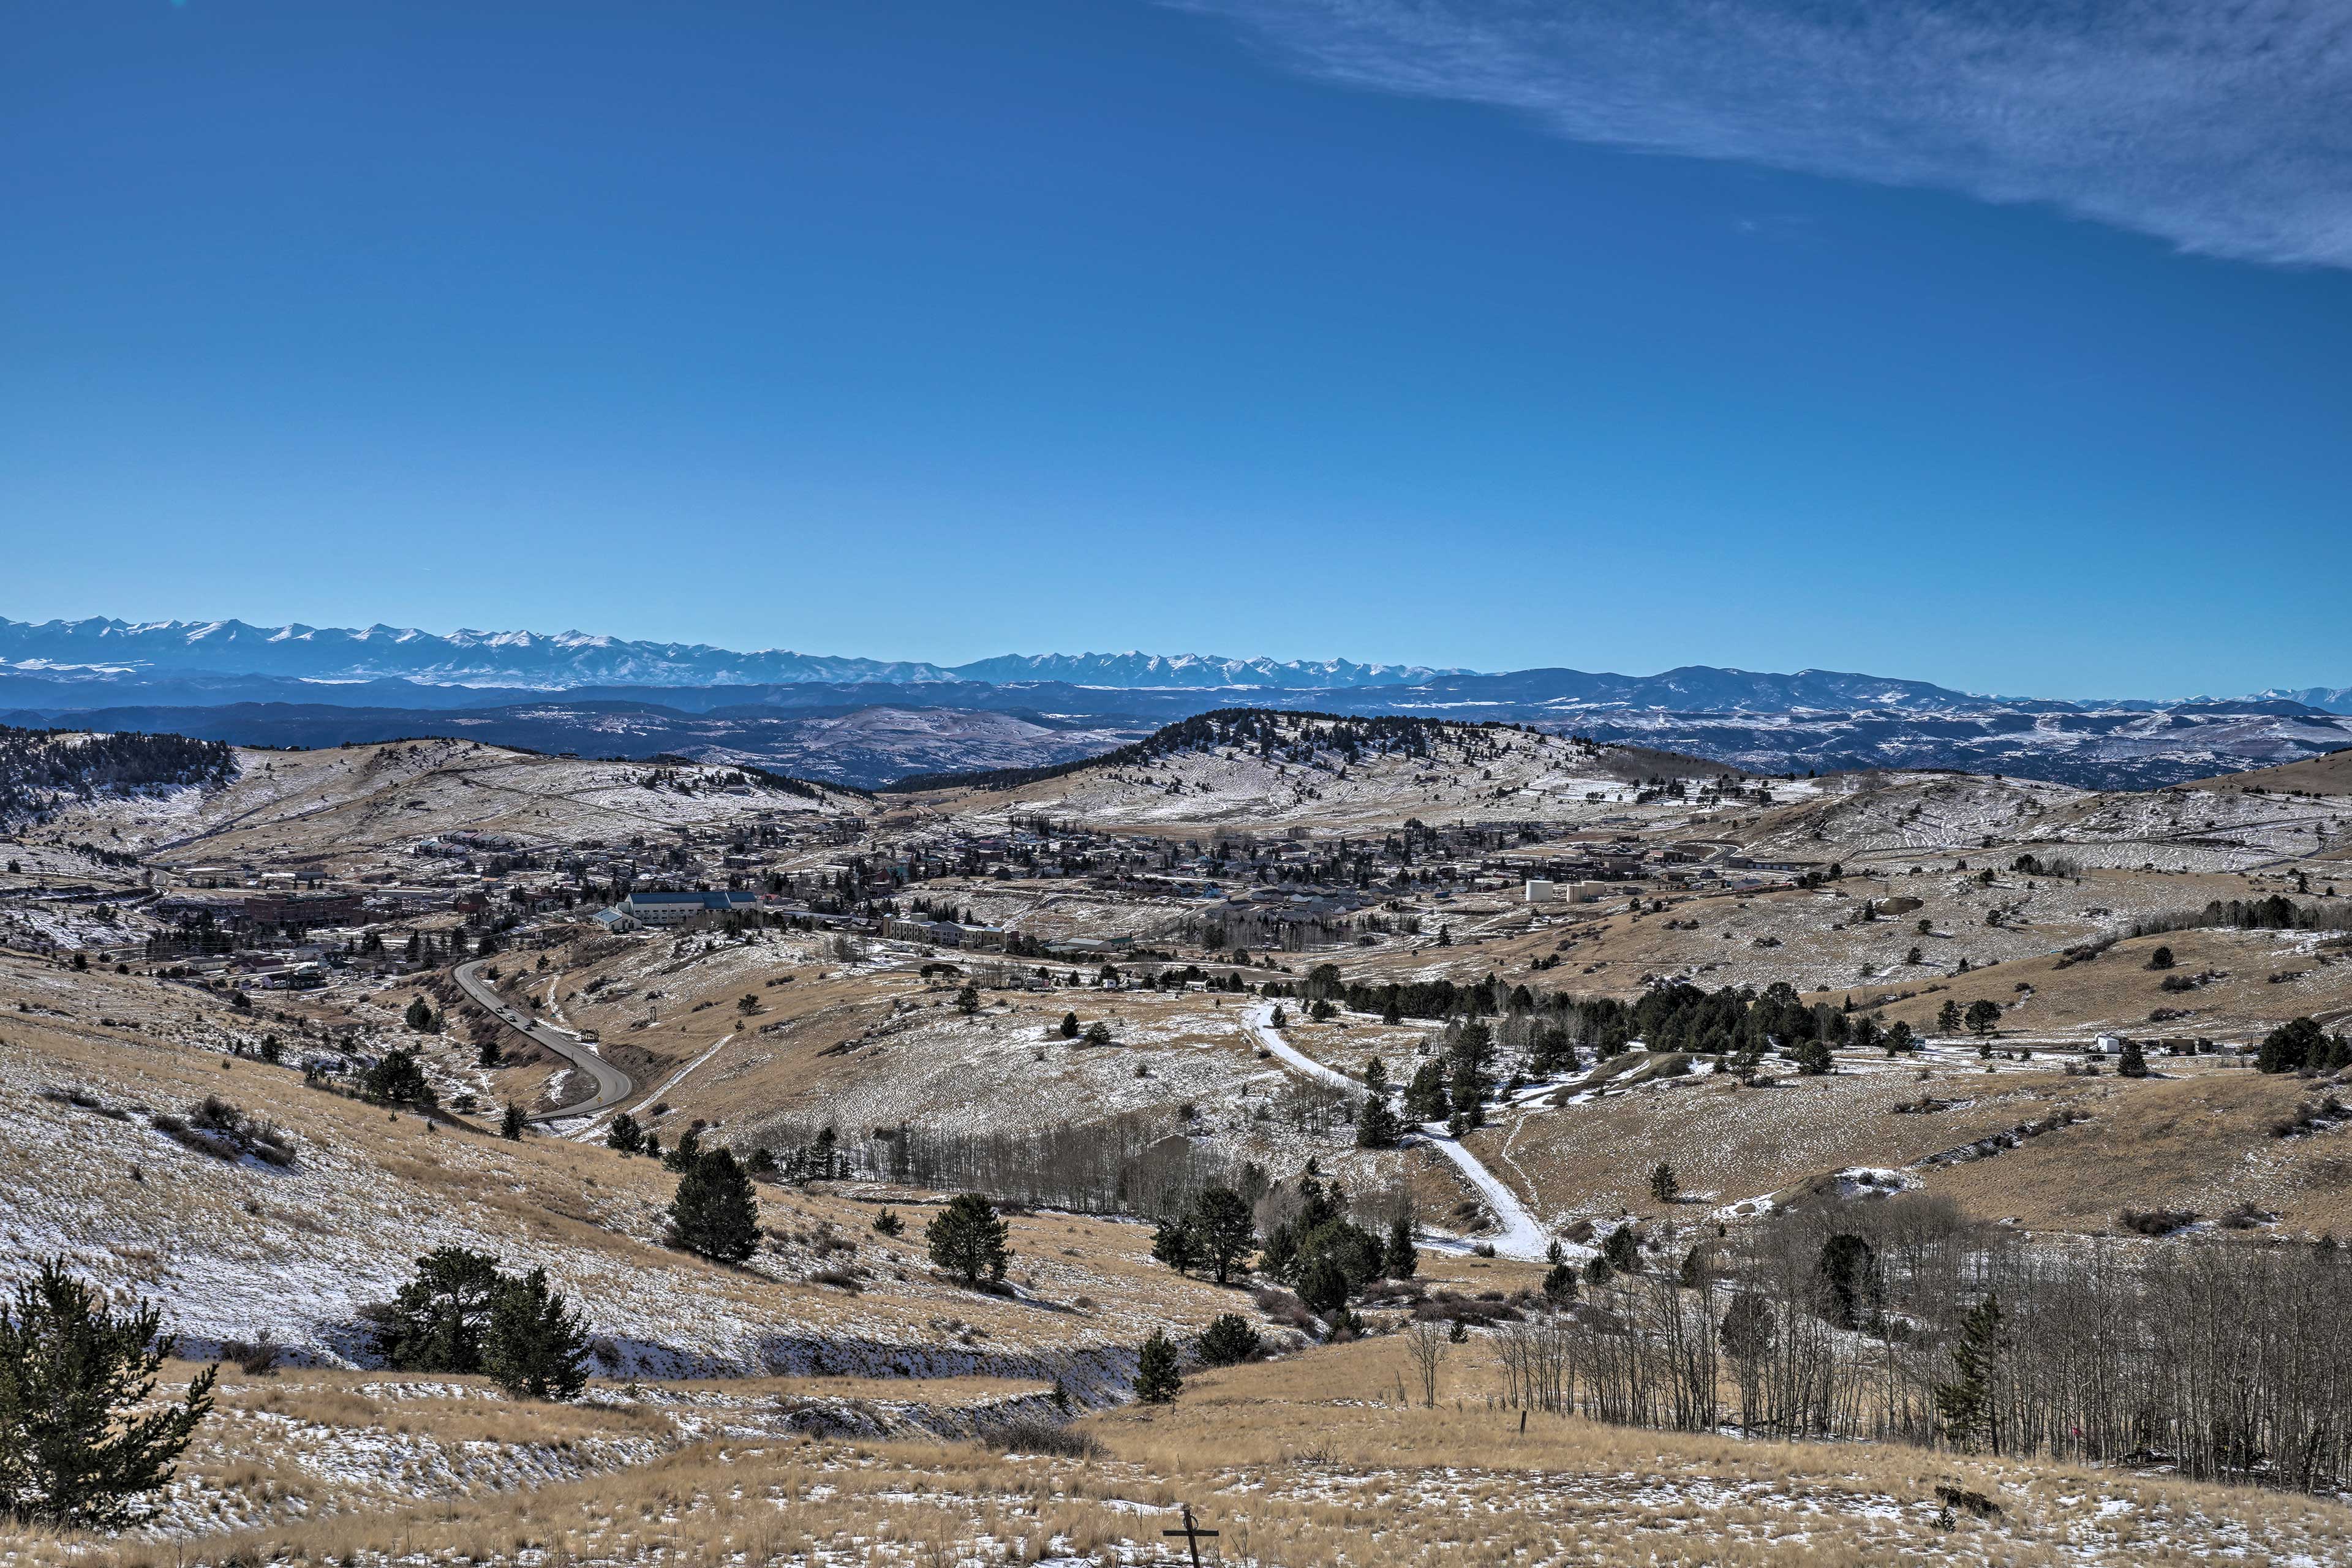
1426, 1345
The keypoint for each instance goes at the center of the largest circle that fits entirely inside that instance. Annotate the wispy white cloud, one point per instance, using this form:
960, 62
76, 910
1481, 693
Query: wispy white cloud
2223, 126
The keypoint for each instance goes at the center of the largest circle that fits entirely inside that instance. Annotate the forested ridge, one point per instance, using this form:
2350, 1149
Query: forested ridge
43, 769
1274, 735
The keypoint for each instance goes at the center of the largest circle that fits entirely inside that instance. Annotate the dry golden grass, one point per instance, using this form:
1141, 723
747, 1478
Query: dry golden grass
1317, 1459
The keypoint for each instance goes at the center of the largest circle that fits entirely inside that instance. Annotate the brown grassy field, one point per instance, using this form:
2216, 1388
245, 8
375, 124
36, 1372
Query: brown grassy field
1325, 1458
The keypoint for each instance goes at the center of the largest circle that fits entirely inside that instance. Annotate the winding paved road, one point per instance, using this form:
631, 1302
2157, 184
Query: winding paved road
1523, 1235
612, 1085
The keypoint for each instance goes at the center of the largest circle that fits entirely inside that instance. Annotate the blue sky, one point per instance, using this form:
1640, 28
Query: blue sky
1929, 341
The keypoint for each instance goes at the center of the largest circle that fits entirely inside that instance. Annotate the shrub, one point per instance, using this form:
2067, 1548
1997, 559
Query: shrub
257, 1357
2309, 1117
1037, 1434
219, 1128
2154, 1222
888, 1224
1284, 1308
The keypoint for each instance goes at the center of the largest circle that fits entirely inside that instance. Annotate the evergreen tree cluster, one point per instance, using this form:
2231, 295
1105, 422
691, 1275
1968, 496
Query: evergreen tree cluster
1327, 1257
460, 1314
1216, 1233
1300, 739
2300, 1044
41, 770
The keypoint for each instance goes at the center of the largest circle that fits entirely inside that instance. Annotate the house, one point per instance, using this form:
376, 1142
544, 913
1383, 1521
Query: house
617, 921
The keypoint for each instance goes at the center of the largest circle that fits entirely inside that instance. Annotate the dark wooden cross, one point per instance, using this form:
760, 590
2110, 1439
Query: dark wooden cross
1192, 1534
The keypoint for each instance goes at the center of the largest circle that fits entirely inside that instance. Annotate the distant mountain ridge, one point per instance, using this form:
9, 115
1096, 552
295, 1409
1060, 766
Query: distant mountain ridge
100, 648
41, 662
2329, 699
867, 721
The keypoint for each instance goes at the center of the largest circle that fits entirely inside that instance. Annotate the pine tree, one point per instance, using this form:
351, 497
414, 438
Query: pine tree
1948, 1018
1664, 1185
1622, 1248
1424, 1097
436, 1321
1377, 1126
536, 1346
1848, 1272
968, 1239
1399, 1259
1069, 1026
689, 1149
2292, 1046
625, 1135
1228, 1339
1222, 1230
397, 1080
419, 1015
1323, 1284
79, 1441
1468, 1093
1813, 1058
716, 1212
1172, 1243
510, 1124
1698, 1268
1156, 1378
2135, 1060
1964, 1405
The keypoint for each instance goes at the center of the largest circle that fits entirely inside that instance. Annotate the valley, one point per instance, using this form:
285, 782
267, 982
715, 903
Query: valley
1934, 1005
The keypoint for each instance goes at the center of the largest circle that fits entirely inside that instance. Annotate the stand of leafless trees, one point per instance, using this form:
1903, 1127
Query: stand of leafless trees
2228, 1360
1134, 1163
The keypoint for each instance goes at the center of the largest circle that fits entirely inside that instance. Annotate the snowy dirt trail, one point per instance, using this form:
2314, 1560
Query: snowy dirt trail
1523, 1235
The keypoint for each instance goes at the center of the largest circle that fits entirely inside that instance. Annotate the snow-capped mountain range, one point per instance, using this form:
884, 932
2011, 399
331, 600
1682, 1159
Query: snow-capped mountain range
100, 648
865, 720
